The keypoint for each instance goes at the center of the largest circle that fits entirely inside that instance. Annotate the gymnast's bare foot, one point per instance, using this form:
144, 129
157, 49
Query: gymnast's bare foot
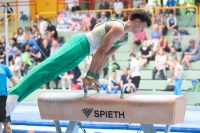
11, 104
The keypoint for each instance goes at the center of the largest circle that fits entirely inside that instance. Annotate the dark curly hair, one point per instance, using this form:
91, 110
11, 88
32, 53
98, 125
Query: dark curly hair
142, 15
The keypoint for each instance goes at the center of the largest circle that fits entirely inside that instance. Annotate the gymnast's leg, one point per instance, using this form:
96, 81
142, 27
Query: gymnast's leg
76, 48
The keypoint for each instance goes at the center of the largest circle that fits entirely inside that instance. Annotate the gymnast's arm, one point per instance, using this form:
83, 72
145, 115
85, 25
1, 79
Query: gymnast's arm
109, 39
106, 58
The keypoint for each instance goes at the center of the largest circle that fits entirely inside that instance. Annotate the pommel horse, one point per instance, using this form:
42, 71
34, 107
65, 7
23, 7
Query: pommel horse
144, 109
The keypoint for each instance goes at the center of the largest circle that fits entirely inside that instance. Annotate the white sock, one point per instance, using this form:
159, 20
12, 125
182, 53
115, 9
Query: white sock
11, 104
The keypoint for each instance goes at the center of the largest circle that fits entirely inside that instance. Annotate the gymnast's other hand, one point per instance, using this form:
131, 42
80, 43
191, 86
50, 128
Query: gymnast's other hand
87, 81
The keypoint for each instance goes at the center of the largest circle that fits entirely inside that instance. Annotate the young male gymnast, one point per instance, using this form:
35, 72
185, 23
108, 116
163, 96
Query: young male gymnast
105, 39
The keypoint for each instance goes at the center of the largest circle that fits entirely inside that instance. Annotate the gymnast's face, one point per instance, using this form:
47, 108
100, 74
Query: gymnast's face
138, 26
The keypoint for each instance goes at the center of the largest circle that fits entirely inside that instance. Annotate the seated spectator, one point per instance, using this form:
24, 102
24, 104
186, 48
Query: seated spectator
117, 5
134, 72
145, 54
138, 39
42, 26
23, 16
26, 60
20, 37
104, 6
69, 76
172, 55
163, 43
160, 64
158, 19
3, 41
17, 64
51, 30
176, 39
88, 60
145, 5
105, 70
87, 20
54, 47
191, 53
66, 8
2, 54
113, 84
33, 43
178, 72
171, 3
113, 16
197, 38
75, 7
103, 18
154, 38
34, 33
124, 16
155, 4
124, 81
12, 50
171, 22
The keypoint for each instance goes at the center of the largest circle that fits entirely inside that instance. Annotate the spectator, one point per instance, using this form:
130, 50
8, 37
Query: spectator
171, 22
12, 51
103, 18
3, 41
105, 70
54, 47
20, 37
176, 39
156, 4
145, 54
158, 19
113, 84
171, 3
9, 11
124, 80
163, 43
138, 3
88, 60
124, 16
104, 6
160, 64
191, 53
145, 5
33, 43
51, 30
178, 72
23, 16
4, 74
75, 7
154, 38
69, 76
34, 33
138, 39
171, 56
2, 53
117, 5
134, 73
197, 39
113, 16
87, 20
42, 26
26, 60
66, 8
17, 64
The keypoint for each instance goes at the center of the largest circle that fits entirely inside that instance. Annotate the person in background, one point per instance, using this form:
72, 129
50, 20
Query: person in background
20, 37
117, 5
138, 39
113, 83
26, 60
51, 30
105, 70
103, 18
2, 54
171, 22
178, 72
171, 3
113, 16
23, 16
176, 39
66, 8
124, 80
125, 16
173, 54
197, 38
5, 73
134, 73
17, 64
145, 54
75, 7
86, 21
158, 19
105, 6
42, 26
163, 43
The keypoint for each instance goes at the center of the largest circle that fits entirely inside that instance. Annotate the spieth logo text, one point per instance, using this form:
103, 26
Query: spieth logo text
102, 113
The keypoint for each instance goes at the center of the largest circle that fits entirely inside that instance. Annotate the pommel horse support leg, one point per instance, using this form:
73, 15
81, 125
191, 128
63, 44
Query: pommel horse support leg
144, 109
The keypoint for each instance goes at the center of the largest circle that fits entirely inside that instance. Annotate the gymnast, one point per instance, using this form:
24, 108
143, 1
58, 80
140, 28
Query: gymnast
105, 39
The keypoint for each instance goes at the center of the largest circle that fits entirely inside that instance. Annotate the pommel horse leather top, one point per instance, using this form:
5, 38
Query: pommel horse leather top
143, 109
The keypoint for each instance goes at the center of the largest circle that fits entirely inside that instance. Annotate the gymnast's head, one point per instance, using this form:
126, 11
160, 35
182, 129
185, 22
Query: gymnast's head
138, 19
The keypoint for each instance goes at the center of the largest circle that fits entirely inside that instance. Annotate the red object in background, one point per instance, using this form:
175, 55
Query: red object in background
76, 86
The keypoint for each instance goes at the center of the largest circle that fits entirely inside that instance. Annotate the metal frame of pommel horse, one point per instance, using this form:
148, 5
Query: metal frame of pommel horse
74, 126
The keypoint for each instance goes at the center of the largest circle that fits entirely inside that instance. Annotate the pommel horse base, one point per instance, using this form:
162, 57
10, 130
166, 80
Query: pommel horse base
144, 109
